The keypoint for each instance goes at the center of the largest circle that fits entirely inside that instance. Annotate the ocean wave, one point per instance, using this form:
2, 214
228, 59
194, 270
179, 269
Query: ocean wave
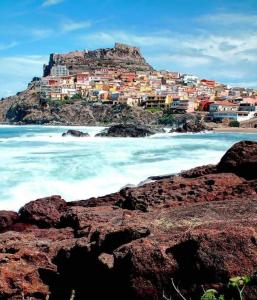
37, 161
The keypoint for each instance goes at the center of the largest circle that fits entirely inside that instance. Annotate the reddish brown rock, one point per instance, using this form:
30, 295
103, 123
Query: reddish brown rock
199, 171
7, 219
45, 212
99, 201
177, 191
25, 262
241, 159
198, 245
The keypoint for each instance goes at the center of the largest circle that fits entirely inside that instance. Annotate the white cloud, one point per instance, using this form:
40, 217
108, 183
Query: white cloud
183, 60
51, 2
229, 19
140, 40
40, 33
70, 25
8, 46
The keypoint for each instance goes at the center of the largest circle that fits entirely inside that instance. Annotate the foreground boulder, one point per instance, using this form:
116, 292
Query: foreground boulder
241, 159
198, 228
75, 133
126, 130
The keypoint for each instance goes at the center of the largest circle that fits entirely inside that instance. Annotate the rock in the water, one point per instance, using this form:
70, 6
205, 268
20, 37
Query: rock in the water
191, 127
75, 133
241, 159
45, 212
126, 130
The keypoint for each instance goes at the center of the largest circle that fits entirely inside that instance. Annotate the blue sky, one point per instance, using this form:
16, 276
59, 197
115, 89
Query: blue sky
213, 39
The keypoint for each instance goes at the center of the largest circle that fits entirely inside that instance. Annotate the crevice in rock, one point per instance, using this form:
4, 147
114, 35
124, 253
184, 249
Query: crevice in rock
89, 269
10, 250
116, 239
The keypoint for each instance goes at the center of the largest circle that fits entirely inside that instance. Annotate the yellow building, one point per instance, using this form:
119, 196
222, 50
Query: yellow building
168, 99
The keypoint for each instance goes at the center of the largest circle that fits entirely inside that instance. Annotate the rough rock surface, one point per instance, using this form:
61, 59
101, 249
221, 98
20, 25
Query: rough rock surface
199, 228
126, 130
120, 57
7, 219
44, 212
241, 159
75, 133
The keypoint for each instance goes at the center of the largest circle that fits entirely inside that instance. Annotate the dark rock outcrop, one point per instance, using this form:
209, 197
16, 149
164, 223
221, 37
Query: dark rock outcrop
75, 133
120, 57
7, 219
191, 126
126, 130
198, 227
241, 159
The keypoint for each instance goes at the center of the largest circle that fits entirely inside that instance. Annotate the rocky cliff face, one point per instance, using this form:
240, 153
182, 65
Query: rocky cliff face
26, 108
199, 228
24, 101
78, 113
121, 56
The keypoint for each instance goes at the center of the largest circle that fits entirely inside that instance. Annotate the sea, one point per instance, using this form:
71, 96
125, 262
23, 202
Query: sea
36, 161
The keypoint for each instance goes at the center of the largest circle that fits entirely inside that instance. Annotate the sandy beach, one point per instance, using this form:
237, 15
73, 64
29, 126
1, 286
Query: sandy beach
236, 129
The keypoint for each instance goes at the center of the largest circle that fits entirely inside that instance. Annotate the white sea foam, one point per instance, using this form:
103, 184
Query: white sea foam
38, 162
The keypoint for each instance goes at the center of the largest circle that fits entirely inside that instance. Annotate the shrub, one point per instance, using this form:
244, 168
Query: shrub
153, 110
212, 295
77, 96
167, 118
234, 124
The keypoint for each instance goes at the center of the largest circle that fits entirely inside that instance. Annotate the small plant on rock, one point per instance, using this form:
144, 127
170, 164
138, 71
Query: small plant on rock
240, 282
212, 294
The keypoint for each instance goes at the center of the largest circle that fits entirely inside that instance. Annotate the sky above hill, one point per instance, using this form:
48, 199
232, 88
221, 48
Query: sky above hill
212, 39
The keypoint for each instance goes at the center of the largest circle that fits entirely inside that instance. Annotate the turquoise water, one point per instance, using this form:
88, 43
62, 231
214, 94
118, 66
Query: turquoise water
36, 161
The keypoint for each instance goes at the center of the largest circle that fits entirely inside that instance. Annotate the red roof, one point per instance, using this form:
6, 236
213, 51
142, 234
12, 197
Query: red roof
225, 103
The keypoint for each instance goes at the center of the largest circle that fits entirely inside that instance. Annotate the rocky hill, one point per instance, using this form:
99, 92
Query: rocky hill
121, 56
198, 228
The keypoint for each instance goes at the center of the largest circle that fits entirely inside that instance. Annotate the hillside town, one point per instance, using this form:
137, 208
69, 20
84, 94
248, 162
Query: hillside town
153, 90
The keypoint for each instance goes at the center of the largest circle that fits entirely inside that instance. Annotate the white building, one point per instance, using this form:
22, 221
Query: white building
227, 110
190, 79
68, 92
232, 115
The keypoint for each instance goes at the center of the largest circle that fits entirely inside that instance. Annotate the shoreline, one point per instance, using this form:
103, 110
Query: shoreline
235, 130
